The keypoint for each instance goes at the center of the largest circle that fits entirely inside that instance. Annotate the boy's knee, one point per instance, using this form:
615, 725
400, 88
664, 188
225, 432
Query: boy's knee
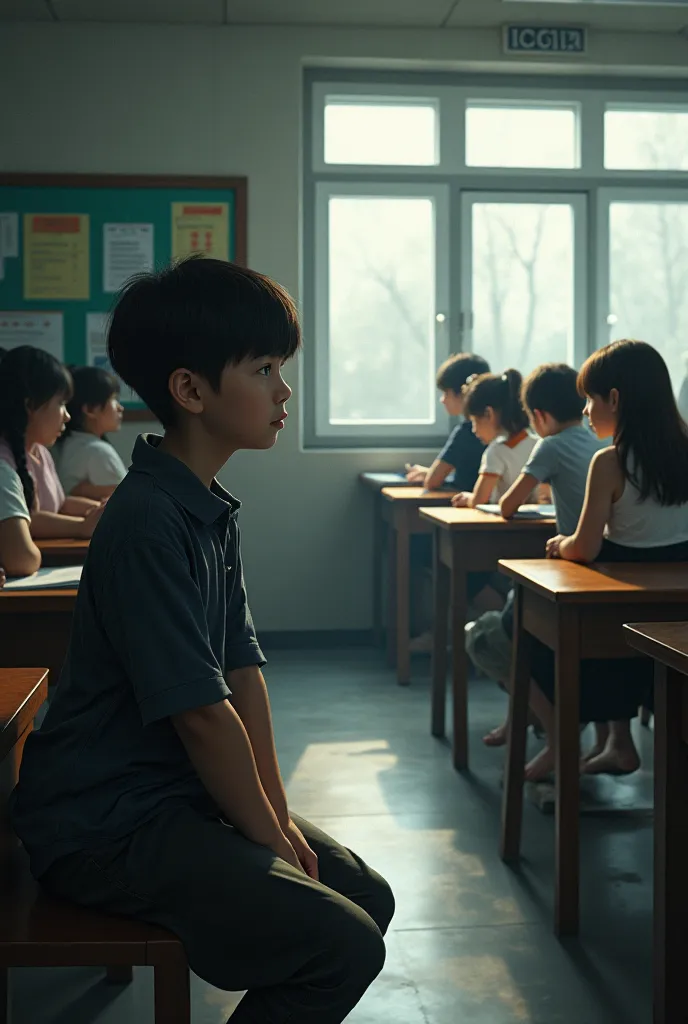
366, 951
381, 904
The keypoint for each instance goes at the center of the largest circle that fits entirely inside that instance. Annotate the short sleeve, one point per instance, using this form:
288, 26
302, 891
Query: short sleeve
12, 501
449, 452
542, 461
153, 614
241, 645
105, 468
493, 461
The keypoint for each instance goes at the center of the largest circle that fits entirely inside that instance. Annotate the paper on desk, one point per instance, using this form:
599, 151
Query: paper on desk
525, 511
61, 578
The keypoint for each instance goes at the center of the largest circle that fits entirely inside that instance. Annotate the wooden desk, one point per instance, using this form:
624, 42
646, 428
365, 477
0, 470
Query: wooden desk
22, 691
374, 482
578, 611
400, 513
62, 552
467, 540
34, 628
667, 643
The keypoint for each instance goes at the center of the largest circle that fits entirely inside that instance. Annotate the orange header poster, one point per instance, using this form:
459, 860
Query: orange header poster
56, 256
200, 227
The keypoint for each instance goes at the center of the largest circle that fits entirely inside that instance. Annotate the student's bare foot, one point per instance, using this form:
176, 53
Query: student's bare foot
612, 761
496, 737
541, 767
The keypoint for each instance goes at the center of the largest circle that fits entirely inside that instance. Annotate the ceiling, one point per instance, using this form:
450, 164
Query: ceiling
651, 16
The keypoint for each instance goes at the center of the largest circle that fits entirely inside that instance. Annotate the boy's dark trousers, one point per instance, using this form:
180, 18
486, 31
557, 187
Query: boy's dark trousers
306, 951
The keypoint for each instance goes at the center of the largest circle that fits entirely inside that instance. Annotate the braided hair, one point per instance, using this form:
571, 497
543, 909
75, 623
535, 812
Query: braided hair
29, 377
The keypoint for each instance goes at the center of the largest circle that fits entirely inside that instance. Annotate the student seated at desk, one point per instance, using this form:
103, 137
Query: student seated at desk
87, 464
34, 390
492, 402
635, 510
463, 451
561, 458
152, 789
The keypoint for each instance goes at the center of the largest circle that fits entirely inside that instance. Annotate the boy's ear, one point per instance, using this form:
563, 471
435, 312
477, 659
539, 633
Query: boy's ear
183, 385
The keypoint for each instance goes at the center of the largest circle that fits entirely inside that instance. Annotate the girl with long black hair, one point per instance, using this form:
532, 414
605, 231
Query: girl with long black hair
34, 390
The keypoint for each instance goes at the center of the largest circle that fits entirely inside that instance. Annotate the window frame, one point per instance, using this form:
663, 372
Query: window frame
453, 90
344, 433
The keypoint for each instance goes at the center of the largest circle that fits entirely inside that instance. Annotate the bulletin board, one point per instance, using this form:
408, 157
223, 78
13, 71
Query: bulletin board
68, 242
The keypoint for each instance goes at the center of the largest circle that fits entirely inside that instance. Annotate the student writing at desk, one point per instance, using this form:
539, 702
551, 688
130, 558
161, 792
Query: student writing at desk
34, 390
635, 510
87, 464
463, 451
152, 789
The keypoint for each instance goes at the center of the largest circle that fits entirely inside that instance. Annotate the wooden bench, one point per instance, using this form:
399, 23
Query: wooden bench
667, 643
578, 611
39, 931
467, 540
60, 551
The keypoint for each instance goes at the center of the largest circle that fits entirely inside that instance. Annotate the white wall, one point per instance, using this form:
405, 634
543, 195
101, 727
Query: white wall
136, 99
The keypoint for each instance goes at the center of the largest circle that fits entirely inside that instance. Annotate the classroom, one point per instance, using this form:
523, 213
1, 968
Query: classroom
403, 286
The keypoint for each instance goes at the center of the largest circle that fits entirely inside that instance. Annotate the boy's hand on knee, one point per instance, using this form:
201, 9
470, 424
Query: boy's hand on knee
306, 857
284, 848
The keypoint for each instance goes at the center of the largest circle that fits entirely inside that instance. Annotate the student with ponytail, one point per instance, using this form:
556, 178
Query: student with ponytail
492, 402
34, 390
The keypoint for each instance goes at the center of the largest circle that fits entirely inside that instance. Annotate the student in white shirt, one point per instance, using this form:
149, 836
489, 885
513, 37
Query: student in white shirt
493, 404
88, 465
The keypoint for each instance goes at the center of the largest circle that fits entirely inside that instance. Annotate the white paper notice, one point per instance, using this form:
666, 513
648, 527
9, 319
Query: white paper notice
96, 350
127, 250
42, 330
9, 235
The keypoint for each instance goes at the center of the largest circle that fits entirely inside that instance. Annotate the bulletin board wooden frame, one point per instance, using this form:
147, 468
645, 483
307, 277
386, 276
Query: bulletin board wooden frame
173, 188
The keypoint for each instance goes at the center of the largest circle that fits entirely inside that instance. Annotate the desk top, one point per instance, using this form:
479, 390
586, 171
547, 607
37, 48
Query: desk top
457, 519
62, 545
416, 495
22, 691
665, 641
559, 580
376, 481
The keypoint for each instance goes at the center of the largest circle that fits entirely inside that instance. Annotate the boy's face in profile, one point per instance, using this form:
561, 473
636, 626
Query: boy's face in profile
249, 410
452, 402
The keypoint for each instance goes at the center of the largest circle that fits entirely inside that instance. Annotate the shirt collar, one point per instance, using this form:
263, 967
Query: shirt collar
206, 504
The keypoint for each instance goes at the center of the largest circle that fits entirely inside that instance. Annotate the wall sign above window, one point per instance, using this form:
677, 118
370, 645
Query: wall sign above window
544, 39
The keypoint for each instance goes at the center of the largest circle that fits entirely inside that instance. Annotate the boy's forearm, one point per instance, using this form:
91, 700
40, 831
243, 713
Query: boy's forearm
220, 751
252, 704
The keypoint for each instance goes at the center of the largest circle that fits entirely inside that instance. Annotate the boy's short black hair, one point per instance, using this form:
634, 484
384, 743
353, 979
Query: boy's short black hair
201, 314
455, 371
553, 388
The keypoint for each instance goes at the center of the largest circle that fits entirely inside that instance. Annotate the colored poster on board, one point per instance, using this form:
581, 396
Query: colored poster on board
96, 352
42, 330
56, 256
200, 227
127, 250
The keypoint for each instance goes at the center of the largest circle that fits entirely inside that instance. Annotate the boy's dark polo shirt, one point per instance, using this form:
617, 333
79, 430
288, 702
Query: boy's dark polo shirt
161, 616
464, 452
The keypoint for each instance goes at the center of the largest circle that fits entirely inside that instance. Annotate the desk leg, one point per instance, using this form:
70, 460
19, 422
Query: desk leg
403, 575
671, 848
459, 613
439, 640
512, 798
378, 564
392, 544
567, 697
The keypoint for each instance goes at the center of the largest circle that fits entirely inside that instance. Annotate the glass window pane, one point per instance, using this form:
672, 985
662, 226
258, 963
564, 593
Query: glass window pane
646, 140
382, 310
521, 136
382, 133
648, 270
523, 283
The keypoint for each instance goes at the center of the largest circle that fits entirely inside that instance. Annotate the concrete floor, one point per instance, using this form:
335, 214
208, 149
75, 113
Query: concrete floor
472, 940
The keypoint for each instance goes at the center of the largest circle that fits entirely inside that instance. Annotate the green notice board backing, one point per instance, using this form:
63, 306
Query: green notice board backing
107, 199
